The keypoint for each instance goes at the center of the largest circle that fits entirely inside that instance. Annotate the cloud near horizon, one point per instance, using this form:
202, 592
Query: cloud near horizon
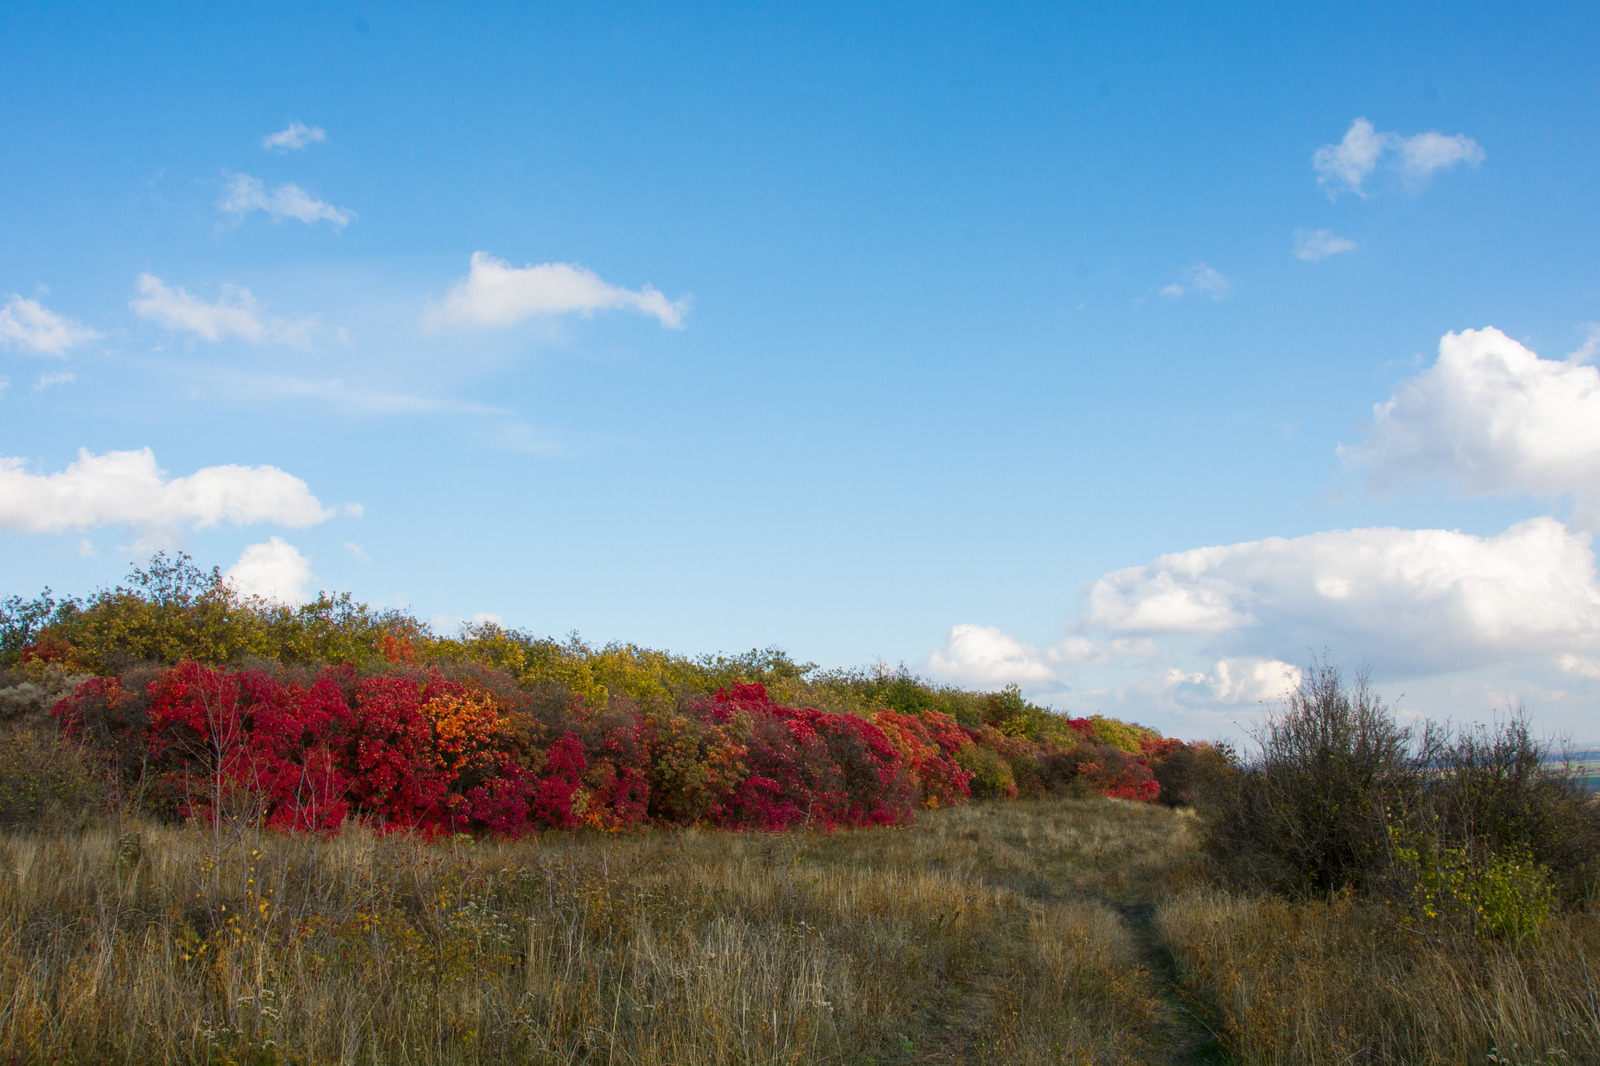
28, 324
274, 571
1416, 600
127, 488
495, 294
1346, 166
984, 655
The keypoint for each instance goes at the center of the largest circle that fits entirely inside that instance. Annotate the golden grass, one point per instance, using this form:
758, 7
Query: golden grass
1339, 981
966, 938
1064, 931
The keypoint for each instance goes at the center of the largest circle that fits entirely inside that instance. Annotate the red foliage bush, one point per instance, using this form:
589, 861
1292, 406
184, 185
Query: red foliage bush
411, 749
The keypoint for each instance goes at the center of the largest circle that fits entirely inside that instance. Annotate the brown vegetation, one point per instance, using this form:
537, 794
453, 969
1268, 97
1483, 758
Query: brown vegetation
989, 933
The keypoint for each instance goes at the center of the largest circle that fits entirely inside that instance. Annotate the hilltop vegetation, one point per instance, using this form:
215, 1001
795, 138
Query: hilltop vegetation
245, 833
196, 701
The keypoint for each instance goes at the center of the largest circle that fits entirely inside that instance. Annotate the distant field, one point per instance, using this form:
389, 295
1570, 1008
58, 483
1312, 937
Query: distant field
1054, 931
1585, 765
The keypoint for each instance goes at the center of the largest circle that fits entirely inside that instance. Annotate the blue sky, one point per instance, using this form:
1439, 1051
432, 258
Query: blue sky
943, 334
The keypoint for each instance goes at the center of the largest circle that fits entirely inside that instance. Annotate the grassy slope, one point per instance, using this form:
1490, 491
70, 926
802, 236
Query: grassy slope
1063, 931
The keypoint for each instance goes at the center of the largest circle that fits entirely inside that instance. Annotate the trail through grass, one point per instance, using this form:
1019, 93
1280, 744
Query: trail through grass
1057, 932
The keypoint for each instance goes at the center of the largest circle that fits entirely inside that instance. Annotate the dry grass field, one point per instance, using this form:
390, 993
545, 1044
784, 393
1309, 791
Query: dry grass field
1058, 931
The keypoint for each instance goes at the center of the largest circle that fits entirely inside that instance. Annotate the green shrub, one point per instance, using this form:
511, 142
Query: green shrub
45, 781
1310, 814
1488, 895
1497, 792
1473, 828
991, 774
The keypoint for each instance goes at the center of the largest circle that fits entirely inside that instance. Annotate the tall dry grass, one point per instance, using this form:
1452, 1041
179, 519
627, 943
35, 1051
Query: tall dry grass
1064, 931
967, 938
1341, 981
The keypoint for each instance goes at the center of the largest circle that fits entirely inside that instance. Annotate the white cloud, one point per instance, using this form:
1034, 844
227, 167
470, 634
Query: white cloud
1316, 245
28, 324
274, 571
1346, 166
1423, 600
60, 378
245, 194
1079, 651
127, 488
983, 655
1590, 347
295, 135
1202, 279
358, 551
1421, 155
5, 383
1579, 665
496, 294
1491, 417
1234, 681
487, 618
235, 314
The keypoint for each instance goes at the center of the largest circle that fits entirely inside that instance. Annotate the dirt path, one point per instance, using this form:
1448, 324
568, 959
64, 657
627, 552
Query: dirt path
1184, 1036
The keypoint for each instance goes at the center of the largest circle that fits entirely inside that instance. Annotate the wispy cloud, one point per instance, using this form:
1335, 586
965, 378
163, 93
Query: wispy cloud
245, 194
1315, 245
515, 436
235, 313
295, 136
1201, 279
1346, 166
28, 324
253, 388
65, 377
496, 294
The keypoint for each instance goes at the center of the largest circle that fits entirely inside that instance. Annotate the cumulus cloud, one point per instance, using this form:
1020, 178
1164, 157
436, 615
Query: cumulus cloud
296, 135
127, 488
234, 314
1429, 599
496, 294
1315, 245
1491, 417
274, 571
1346, 166
1235, 681
29, 325
1579, 665
983, 655
245, 194
1202, 279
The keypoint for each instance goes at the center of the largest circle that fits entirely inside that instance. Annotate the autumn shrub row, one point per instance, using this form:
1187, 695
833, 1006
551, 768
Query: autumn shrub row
471, 750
